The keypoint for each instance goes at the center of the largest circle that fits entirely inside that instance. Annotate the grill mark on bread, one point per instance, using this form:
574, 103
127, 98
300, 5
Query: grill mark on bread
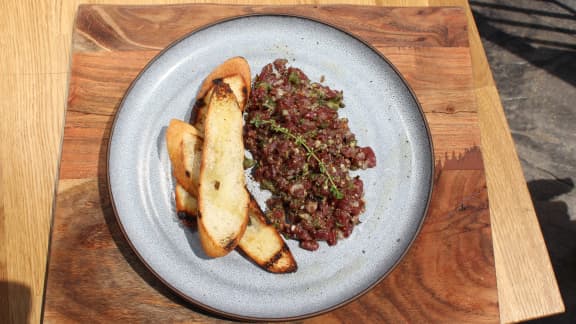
274, 259
200, 103
231, 245
217, 81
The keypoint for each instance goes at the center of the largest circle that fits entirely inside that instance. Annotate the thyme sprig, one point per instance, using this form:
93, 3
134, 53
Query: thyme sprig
299, 140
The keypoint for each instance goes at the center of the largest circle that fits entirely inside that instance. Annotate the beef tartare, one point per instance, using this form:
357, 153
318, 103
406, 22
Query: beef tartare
303, 153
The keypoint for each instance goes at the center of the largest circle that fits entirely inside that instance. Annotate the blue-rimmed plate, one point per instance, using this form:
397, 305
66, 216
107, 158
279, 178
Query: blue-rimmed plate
383, 113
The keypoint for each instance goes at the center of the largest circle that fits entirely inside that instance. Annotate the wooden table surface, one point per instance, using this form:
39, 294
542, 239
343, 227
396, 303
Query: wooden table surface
35, 42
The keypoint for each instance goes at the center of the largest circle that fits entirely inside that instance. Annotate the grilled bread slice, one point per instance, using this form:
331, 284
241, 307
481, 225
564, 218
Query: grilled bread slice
263, 244
184, 149
185, 202
222, 195
236, 73
236, 66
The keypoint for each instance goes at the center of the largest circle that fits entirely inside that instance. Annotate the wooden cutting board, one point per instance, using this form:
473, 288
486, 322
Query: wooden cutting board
448, 274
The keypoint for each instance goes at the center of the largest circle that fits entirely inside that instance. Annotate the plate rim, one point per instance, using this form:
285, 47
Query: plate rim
212, 310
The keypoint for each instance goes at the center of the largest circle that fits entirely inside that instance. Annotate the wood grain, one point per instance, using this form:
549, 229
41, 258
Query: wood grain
539, 286
402, 26
447, 276
36, 44
450, 285
528, 287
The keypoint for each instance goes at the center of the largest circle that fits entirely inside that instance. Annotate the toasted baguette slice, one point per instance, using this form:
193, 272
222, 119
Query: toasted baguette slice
236, 83
236, 73
222, 196
236, 66
185, 202
185, 151
262, 244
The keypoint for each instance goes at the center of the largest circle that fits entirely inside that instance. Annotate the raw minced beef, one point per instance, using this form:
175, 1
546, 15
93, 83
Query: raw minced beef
303, 154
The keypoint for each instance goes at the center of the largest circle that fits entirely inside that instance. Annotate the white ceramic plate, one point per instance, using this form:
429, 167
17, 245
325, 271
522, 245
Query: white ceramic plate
383, 114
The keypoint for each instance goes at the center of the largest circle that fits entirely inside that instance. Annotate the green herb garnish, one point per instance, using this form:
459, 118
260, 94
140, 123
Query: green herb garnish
299, 140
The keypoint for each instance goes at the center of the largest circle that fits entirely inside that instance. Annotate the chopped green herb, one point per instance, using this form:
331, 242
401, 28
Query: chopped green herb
248, 163
269, 103
268, 185
316, 223
264, 85
333, 104
294, 78
318, 93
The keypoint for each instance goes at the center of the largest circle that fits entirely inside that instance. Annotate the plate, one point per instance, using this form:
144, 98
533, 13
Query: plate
383, 113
